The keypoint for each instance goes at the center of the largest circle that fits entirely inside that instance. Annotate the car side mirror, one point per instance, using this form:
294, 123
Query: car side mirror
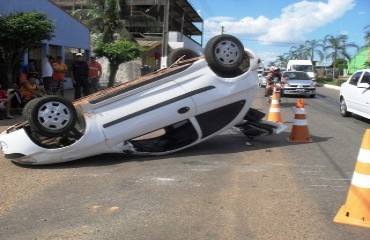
363, 85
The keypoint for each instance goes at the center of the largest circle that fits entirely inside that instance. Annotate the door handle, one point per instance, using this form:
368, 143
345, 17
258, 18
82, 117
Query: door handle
183, 110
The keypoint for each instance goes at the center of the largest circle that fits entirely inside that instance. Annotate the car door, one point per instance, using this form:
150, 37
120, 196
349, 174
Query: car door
364, 94
145, 112
351, 92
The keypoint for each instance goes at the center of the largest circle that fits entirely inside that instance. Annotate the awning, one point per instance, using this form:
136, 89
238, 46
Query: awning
149, 45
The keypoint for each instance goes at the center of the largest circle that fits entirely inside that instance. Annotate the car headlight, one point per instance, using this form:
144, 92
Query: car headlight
286, 85
3, 146
312, 84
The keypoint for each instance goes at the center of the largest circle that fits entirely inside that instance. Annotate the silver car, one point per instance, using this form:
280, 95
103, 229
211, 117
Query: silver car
297, 83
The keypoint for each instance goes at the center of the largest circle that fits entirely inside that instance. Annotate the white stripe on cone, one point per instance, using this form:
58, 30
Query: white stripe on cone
300, 122
299, 111
274, 109
361, 180
363, 156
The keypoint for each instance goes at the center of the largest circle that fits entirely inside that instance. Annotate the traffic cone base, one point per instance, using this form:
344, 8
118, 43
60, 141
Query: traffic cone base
353, 212
356, 210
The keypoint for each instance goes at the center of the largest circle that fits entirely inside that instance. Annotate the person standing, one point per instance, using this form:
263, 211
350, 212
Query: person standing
80, 76
47, 74
59, 73
95, 71
5, 103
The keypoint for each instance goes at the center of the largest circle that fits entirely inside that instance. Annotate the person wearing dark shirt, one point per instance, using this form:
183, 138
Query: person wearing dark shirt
80, 76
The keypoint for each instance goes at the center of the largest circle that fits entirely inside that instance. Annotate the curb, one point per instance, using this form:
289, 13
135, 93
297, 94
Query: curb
331, 86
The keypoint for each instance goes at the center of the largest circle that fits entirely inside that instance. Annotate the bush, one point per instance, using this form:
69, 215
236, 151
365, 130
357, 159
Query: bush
324, 79
339, 82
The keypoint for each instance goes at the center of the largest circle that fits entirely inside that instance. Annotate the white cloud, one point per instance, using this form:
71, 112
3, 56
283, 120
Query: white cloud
295, 21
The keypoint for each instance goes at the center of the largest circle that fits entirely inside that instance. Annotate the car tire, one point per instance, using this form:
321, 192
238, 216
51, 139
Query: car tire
52, 116
28, 106
224, 53
183, 53
343, 108
312, 96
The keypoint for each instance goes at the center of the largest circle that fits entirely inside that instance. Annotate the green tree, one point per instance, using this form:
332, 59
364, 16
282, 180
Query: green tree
312, 47
18, 32
117, 53
106, 19
282, 60
338, 48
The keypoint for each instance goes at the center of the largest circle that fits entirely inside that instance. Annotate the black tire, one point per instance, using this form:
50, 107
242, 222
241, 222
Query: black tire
183, 53
343, 108
29, 105
52, 116
224, 53
312, 96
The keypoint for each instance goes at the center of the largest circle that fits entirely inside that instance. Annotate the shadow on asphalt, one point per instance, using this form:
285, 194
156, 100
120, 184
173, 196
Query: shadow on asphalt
221, 144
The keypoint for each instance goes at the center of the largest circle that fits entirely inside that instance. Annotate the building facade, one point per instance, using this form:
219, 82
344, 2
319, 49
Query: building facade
359, 60
145, 20
70, 35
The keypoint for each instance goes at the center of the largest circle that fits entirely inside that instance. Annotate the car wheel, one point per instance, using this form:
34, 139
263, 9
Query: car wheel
343, 108
28, 106
52, 116
312, 95
183, 53
224, 53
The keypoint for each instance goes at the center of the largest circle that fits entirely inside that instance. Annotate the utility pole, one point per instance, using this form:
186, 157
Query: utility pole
222, 30
165, 34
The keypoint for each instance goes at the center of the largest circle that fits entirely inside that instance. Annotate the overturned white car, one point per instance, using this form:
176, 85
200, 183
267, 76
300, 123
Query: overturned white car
160, 113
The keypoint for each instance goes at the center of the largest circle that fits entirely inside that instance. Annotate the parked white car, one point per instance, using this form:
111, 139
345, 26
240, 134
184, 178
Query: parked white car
355, 95
297, 83
160, 113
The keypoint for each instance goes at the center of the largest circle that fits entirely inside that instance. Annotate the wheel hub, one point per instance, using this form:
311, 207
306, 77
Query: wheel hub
54, 115
227, 52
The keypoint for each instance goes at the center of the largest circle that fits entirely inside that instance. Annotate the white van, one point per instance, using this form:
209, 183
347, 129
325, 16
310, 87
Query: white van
302, 65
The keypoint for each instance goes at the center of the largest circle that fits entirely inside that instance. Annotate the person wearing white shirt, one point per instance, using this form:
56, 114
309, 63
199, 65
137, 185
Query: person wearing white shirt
47, 73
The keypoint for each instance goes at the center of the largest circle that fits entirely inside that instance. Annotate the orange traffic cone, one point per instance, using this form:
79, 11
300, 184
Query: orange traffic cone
274, 112
299, 132
356, 211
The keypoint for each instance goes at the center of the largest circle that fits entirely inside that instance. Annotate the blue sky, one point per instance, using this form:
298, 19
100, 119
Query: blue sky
271, 27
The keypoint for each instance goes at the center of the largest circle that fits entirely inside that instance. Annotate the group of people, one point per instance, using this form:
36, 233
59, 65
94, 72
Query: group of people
85, 76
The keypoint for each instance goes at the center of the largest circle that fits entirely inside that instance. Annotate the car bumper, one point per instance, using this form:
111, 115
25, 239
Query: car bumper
298, 91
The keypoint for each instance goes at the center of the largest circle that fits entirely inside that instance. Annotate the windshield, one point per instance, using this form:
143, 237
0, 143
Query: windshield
296, 75
303, 68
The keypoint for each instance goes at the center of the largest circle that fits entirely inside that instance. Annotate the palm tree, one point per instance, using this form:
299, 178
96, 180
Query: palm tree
338, 47
105, 18
299, 52
282, 60
312, 47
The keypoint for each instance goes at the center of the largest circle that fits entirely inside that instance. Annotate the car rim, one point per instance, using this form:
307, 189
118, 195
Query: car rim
54, 115
227, 52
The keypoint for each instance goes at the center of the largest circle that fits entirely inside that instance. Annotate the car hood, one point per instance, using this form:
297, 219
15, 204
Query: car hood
299, 82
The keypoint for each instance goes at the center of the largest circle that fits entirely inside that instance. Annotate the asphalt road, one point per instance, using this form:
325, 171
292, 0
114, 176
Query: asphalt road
220, 189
